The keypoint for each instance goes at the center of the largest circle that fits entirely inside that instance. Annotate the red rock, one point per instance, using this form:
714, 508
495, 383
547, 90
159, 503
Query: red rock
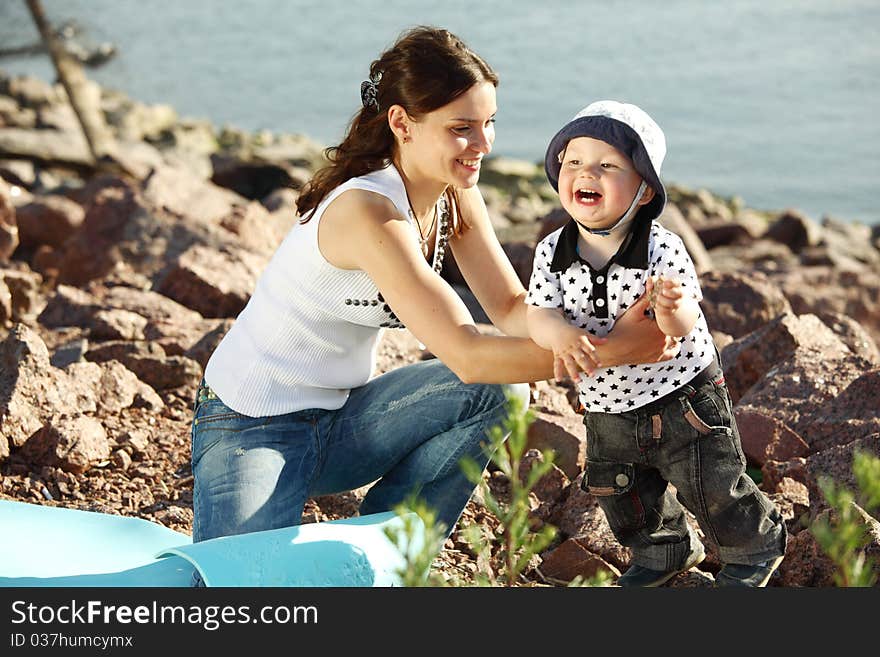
116, 324
853, 335
796, 230
795, 388
5, 303
8, 226
94, 250
561, 433
31, 390
739, 303
48, 220
213, 283
579, 516
805, 564
823, 290
182, 193
72, 443
851, 415
766, 438
748, 359
836, 464
773, 472
548, 488
24, 286
572, 559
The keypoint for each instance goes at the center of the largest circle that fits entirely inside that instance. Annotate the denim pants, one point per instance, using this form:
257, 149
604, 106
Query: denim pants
408, 429
688, 439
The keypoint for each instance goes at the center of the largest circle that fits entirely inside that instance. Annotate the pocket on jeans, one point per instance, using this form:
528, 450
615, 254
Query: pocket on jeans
604, 478
214, 410
703, 413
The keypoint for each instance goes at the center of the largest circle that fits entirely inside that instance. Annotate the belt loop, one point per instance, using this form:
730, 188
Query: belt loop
656, 426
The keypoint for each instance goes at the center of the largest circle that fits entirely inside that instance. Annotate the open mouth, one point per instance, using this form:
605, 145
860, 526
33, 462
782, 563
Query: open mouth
470, 164
587, 196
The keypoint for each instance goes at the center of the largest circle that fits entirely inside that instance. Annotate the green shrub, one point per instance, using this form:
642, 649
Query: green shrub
503, 556
844, 533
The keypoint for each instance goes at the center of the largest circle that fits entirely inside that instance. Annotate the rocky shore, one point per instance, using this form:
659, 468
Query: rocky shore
115, 289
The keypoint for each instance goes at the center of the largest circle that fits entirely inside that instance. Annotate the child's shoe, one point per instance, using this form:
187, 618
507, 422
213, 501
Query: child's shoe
639, 576
738, 574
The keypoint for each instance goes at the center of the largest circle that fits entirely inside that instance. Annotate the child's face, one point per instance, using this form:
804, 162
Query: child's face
597, 182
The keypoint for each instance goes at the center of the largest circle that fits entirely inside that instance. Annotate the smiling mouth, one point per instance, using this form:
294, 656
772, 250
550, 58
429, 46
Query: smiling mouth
587, 196
472, 164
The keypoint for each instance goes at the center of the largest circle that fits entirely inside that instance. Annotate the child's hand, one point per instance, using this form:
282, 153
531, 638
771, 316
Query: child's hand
573, 353
666, 295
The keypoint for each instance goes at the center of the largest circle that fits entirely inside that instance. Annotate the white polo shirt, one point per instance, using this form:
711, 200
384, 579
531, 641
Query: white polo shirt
593, 299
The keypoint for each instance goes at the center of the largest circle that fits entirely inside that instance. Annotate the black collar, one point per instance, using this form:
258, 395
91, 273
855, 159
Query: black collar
632, 254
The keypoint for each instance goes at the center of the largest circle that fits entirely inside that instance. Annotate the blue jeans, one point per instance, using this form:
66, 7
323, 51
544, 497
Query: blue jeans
408, 429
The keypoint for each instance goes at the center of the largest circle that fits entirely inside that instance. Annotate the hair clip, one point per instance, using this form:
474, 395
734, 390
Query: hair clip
370, 91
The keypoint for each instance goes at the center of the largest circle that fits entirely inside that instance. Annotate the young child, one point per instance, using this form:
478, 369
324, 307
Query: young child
647, 425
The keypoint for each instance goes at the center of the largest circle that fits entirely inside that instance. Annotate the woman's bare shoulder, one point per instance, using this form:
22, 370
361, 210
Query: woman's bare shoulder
349, 221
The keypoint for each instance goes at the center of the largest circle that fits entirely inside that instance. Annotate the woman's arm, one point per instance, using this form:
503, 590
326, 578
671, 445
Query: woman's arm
490, 276
362, 230
486, 268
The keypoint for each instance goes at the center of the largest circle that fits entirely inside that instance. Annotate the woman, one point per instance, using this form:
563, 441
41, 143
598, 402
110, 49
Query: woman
288, 410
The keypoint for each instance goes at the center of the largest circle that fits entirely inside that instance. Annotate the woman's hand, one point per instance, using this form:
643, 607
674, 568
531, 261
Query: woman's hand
635, 339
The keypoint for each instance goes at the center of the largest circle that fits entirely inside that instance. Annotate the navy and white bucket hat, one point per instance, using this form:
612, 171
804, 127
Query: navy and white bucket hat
630, 130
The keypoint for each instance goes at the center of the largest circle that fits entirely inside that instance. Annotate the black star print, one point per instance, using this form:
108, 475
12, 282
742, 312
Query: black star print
654, 393
664, 380
650, 381
548, 297
630, 402
617, 401
537, 286
682, 369
609, 372
603, 395
626, 391
623, 377
600, 379
584, 290
626, 287
614, 276
607, 409
676, 383
614, 297
592, 388
571, 280
614, 386
638, 274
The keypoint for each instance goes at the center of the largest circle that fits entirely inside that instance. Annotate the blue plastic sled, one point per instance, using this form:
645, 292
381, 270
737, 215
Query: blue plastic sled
53, 546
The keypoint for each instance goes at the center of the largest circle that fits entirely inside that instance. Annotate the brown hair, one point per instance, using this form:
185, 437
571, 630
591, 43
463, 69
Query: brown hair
424, 70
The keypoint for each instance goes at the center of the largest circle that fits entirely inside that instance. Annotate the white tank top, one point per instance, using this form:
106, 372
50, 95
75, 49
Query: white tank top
310, 330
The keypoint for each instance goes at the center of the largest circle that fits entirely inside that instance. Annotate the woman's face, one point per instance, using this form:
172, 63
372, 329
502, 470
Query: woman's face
449, 143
